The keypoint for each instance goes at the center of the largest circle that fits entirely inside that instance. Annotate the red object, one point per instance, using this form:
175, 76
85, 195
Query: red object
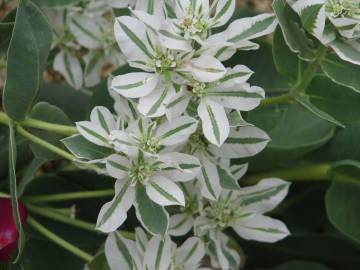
8, 231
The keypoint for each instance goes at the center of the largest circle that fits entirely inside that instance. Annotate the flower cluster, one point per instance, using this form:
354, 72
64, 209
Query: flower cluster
175, 127
335, 23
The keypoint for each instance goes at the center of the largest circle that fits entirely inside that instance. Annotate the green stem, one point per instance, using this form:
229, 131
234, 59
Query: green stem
297, 173
59, 241
45, 144
4, 195
276, 100
70, 196
34, 123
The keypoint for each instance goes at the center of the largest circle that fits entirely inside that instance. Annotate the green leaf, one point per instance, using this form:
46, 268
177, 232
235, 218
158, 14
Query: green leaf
6, 29
287, 62
55, 3
294, 132
84, 149
294, 35
146, 210
51, 114
304, 100
336, 100
343, 199
341, 72
29, 174
13, 189
99, 262
27, 55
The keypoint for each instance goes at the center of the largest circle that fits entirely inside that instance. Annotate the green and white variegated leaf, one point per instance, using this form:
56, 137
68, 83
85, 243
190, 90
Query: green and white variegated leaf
215, 124
164, 192
154, 104
341, 72
205, 68
250, 28
113, 214
152, 7
146, 210
209, 179
238, 97
260, 228
180, 224
117, 166
227, 180
216, 250
133, 39
347, 50
135, 85
243, 142
86, 31
190, 253
93, 133
238, 171
313, 17
171, 40
141, 240
236, 76
103, 117
93, 64
120, 251
264, 196
224, 11
83, 149
236, 120
177, 104
123, 142
177, 130
158, 253
294, 34
69, 66
180, 167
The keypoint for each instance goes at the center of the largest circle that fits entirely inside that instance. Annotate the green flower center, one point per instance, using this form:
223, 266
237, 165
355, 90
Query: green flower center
199, 89
343, 8
150, 145
140, 172
163, 61
222, 214
193, 24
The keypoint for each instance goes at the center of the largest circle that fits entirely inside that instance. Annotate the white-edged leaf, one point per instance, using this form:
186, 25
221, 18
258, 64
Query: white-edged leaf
177, 130
180, 167
141, 240
93, 133
238, 171
243, 142
260, 228
117, 166
86, 31
134, 85
227, 180
236, 75
264, 196
164, 192
190, 253
119, 251
69, 66
224, 10
240, 97
133, 39
215, 124
113, 214
346, 50
180, 224
173, 41
209, 180
177, 104
154, 104
146, 210
205, 68
158, 253
103, 117
250, 28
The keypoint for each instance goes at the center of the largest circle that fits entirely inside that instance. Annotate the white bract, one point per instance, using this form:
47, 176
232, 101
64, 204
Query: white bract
177, 125
336, 23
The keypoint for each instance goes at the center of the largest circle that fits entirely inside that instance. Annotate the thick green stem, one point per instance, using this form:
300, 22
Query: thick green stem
45, 144
70, 196
58, 240
34, 123
298, 173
